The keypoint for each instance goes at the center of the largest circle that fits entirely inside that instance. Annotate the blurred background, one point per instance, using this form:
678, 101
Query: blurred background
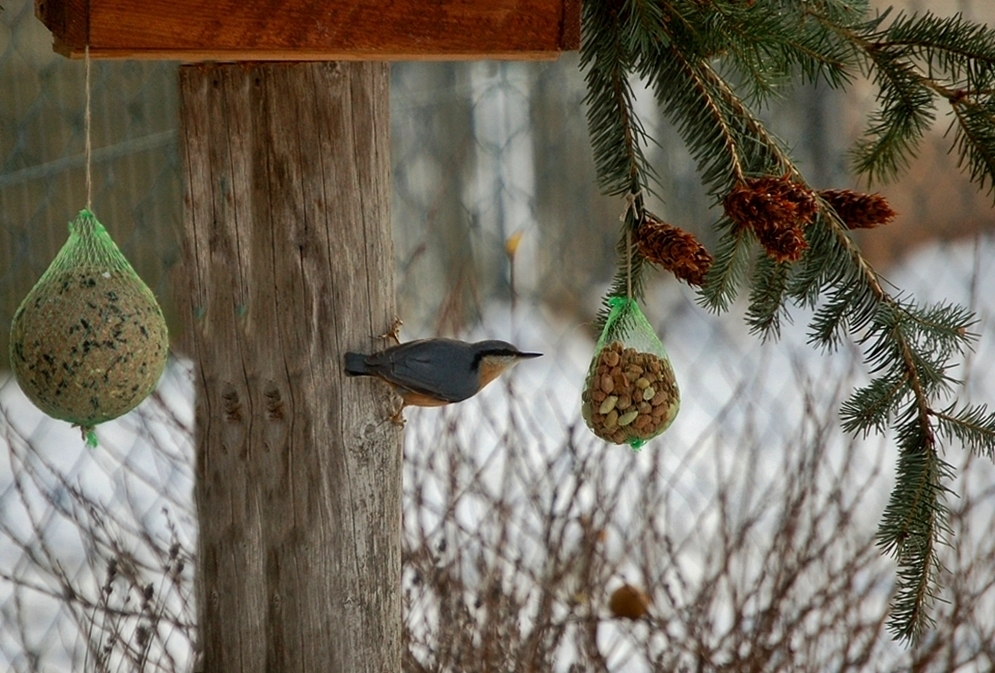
748, 526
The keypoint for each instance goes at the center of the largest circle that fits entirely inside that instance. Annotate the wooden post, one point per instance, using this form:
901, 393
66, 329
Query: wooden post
289, 260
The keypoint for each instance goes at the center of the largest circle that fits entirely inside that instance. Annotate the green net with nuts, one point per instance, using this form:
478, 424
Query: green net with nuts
89, 341
630, 394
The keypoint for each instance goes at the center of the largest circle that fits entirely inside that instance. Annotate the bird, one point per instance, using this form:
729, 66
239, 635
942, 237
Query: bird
436, 372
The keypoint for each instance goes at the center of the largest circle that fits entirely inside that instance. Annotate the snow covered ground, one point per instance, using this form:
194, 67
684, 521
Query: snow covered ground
735, 392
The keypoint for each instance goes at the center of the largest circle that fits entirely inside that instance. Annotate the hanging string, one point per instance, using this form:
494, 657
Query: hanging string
631, 205
628, 261
86, 132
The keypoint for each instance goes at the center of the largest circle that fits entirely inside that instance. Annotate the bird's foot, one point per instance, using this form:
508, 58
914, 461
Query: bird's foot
392, 332
397, 418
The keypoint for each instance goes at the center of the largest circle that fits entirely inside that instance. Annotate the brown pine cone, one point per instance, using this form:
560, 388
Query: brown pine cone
770, 202
674, 249
784, 245
857, 210
776, 210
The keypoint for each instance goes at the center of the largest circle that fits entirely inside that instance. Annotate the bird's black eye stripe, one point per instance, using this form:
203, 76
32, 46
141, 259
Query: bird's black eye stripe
499, 352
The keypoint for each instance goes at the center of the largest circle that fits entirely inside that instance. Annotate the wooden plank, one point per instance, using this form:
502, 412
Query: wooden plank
67, 19
298, 30
289, 261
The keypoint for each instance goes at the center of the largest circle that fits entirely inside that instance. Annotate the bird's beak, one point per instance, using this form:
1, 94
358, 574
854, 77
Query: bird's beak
528, 356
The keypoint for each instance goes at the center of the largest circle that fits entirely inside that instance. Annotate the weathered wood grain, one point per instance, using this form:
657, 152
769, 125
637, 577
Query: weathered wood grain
289, 262
194, 30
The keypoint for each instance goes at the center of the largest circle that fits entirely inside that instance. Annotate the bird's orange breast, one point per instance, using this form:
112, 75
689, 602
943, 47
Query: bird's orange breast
489, 371
411, 398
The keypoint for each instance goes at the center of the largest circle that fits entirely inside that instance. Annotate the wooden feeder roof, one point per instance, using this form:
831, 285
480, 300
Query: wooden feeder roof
305, 30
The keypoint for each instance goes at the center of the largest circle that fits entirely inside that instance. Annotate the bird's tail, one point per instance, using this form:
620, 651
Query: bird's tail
355, 365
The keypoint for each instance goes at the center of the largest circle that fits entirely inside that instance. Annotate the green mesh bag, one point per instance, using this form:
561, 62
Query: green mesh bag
630, 394
89, 342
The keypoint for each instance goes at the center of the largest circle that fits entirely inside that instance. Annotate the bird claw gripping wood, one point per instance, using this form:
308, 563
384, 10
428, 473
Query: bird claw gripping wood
392, 333
397, 418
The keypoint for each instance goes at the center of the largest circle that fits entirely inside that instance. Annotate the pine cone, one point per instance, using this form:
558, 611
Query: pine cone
858, 211
776, 210
784, 245
674, 249
770, 202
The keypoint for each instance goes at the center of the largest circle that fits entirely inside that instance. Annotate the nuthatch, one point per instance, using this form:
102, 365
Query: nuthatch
434, 372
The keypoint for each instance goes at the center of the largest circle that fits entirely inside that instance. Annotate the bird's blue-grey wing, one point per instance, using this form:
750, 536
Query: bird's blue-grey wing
425, 369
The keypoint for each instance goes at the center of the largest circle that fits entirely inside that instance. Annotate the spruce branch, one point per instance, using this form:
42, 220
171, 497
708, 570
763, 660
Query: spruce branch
612, 31
826, 264
685, 93
704, 61
730, 268
912, 527
852, 289
898, 340
872, 407
975, 139
767, 306
953, 45
613, 123
915, 60
974, 427
908, 110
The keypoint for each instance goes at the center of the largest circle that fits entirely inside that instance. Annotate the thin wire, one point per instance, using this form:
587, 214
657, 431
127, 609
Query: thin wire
86, 133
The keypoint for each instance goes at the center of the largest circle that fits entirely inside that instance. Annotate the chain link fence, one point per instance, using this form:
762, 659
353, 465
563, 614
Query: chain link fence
749, 525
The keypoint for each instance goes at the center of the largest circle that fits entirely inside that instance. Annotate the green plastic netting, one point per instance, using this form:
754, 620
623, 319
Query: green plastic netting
89, 341
630, 394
